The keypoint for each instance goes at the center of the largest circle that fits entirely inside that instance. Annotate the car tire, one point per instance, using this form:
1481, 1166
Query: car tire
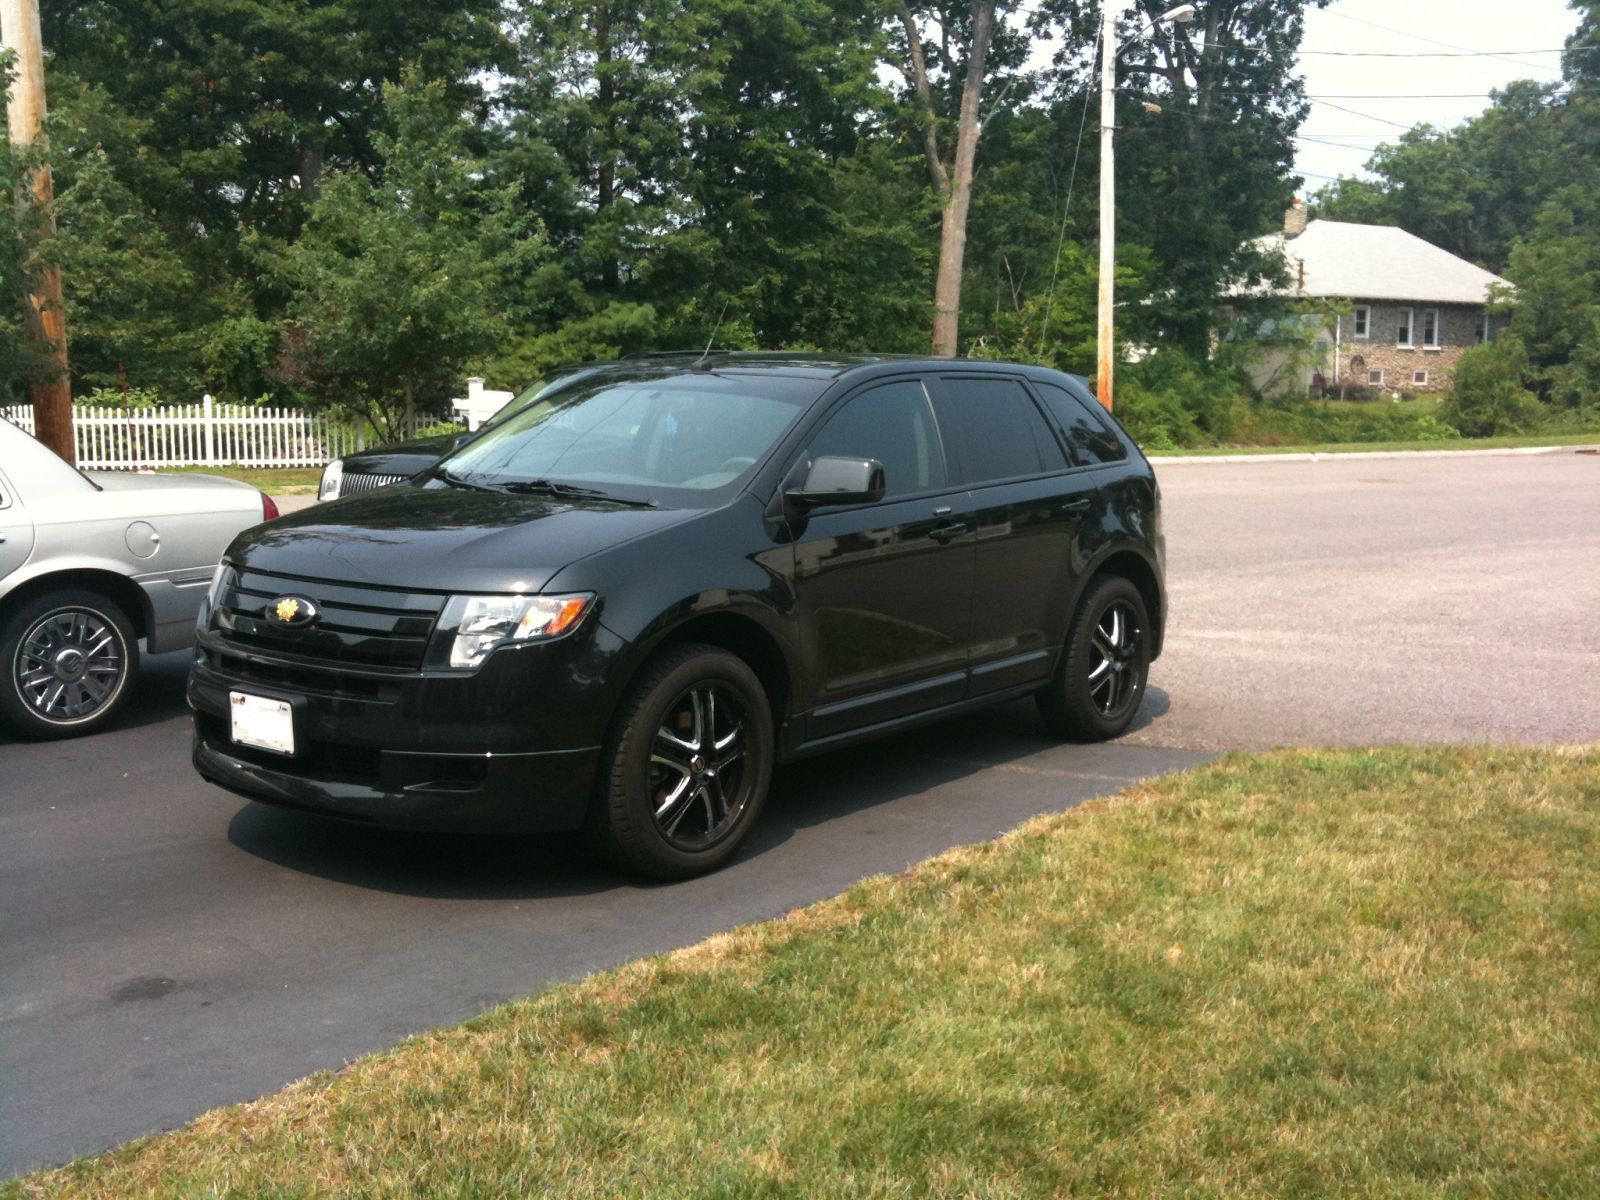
69, 658
1104, 666
687, 767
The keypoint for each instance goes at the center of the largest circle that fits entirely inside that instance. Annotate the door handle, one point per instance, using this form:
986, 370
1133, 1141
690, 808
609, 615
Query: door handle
1076, 506
948, 532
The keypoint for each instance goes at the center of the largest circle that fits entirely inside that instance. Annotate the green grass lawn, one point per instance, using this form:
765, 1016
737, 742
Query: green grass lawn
1490, 443
275, 481
1308, 973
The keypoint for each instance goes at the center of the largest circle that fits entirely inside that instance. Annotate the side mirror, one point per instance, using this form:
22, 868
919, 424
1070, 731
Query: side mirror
840, 481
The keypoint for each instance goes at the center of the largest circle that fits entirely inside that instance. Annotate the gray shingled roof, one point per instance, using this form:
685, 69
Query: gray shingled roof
1377, 262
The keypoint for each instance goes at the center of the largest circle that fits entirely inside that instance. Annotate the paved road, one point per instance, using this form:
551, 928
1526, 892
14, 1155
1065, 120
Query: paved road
166, 948
1407, 599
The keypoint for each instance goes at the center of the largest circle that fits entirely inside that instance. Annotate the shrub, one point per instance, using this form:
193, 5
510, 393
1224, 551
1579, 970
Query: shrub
1487, 397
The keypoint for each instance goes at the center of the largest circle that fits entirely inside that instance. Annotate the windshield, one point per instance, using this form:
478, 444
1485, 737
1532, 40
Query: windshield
644, 436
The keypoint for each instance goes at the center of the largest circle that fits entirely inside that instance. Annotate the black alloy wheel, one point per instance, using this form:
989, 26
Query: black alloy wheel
69, 658
688, 765
1104, 667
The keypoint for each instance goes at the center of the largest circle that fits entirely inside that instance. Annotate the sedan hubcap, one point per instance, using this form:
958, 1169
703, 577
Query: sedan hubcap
697, 767
70, 665
1115, 643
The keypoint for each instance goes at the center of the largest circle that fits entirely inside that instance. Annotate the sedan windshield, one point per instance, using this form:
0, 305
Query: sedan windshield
668, 438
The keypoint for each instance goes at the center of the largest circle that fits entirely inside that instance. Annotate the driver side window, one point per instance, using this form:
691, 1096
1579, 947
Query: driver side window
894, 424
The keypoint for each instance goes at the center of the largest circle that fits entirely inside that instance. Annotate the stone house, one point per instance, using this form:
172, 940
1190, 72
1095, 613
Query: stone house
1402, 310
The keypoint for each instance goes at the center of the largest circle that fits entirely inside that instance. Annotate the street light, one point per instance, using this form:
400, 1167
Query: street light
1181, 15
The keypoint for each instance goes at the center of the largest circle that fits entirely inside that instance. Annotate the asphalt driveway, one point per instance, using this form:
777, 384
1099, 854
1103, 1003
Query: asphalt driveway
166, 948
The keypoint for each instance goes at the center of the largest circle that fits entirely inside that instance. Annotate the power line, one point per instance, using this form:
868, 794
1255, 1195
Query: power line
1434, 53
1436, 42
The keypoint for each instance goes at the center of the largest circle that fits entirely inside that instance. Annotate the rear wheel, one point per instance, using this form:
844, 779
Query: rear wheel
69, 658
690, 761
1104, 665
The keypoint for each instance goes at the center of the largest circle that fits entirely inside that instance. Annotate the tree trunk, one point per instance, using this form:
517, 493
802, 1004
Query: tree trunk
45, 315
953, 228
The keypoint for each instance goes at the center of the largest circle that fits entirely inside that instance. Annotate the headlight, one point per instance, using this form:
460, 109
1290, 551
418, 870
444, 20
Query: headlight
332, 479
472, 626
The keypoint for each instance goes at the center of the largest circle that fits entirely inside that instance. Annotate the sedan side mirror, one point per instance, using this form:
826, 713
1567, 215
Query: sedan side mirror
840, 481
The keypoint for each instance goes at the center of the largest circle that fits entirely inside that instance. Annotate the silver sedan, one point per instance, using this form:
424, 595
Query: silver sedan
90, 564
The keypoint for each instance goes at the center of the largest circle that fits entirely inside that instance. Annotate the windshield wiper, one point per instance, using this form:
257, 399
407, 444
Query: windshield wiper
459, 481
549, 487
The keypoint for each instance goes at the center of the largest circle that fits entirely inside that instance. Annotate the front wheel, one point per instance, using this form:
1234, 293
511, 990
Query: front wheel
690, 761
69, 658
1104, 665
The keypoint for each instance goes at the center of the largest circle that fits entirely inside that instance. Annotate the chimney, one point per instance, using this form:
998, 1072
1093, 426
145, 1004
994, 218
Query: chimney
1294, 218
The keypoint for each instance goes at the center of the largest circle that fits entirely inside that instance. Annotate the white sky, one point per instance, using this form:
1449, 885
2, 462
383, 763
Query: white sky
1410, 27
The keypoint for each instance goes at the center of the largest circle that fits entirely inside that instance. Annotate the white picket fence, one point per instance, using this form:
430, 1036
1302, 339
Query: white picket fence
206, 434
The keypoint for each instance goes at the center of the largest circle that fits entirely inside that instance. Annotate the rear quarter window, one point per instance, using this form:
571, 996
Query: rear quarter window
997, 430
1087, 431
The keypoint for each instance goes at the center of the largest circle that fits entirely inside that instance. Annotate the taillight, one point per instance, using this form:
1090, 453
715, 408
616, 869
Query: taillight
269, 510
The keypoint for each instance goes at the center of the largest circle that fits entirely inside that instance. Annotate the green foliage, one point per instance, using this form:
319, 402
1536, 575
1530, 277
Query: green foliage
615, 330
110, 397
1059, 328
400, 281
132, 311
1557, 310
1487, 397
1171, 400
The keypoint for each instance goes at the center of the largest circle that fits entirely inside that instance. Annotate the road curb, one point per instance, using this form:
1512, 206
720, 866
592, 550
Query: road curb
1340, 456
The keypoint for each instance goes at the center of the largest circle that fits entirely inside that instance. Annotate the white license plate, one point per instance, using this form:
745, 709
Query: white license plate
258, 721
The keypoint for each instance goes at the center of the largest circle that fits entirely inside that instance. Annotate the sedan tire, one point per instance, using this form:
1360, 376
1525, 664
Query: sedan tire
69, 659
1104, 665
687, 766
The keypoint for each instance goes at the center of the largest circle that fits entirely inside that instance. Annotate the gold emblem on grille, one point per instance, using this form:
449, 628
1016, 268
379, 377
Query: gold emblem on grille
288, 609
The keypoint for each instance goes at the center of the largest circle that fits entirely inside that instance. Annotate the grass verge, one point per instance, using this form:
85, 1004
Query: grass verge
275, 481
1352, 973
1489, 443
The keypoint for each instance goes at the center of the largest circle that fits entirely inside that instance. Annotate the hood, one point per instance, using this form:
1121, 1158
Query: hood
403, 458
444, 539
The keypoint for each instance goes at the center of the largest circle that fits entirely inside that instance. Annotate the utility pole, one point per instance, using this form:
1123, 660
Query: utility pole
1106, 354
46, 318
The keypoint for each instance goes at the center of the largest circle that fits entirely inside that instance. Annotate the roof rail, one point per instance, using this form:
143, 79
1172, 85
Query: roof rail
667, 354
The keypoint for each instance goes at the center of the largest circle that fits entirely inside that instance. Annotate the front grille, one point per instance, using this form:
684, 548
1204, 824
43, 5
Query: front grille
356, 625
354, 483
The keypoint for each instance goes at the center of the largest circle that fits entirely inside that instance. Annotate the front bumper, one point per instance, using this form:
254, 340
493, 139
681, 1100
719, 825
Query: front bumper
512, 747
505, 793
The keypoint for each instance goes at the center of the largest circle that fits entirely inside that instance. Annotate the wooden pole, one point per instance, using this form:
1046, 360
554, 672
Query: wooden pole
1106, 353
46, 318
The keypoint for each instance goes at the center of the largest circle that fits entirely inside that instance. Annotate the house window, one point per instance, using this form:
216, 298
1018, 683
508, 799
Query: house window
1375, 376
1361, 322
1483, 330
1419, 378
1430, 327
1402, 337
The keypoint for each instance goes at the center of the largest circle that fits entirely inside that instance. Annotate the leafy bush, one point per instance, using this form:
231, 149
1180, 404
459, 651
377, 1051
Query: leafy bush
1169, 400
106, 397
1487, 397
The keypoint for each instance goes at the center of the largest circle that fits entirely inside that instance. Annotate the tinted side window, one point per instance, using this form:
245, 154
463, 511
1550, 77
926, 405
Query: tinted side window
893, 424
996, 429
1086, 431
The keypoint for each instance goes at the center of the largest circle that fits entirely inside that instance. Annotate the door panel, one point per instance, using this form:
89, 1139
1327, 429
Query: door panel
1028, 505
884, 590
16, 531
1029, 551
884, 597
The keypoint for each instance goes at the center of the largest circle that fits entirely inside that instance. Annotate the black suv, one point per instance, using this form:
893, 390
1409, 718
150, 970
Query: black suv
621, 607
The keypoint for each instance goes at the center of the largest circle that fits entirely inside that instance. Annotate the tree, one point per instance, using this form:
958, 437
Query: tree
1211, 169
951, 160
403, 277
